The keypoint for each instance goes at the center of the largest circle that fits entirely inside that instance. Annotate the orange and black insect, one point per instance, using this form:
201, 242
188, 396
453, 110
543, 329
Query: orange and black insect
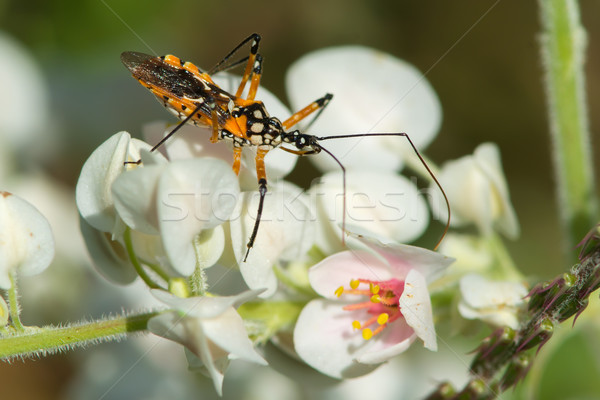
192, 96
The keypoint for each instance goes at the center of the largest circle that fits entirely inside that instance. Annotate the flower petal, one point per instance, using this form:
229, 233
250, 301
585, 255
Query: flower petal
285, 232
403, 257
93, 191
26, 241
325, 340
109, 257
134, 195
338, 269
415, 305
204, 307
387, 205
193, 195
395, 98
396, 338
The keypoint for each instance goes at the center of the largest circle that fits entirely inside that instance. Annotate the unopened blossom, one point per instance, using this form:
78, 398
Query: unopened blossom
210, 328
495, 302
26, 242
375, 305
372, 92
478, 193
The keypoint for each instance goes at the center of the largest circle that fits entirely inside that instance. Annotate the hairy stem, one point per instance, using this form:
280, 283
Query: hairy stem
41, 341
13, 301
563, 43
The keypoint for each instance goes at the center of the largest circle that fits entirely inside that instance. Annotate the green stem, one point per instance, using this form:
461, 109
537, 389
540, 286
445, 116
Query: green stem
136, 264
40, 341
13, 301
563, 46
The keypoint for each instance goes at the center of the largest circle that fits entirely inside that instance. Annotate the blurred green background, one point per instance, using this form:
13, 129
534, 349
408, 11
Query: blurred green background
481, 56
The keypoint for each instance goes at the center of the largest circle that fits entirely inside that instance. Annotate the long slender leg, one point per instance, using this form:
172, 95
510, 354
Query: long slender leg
318, 104
237, 159
256, 74
262, 190
223, 65
168, 135
250, 64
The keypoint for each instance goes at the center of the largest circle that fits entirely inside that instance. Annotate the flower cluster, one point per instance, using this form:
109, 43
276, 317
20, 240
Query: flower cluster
353, 299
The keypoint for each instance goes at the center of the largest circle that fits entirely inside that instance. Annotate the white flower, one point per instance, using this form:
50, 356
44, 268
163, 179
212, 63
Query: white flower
93, 192
373, 92
179, 201
286, 232
210, 328
386, 299
26, 242
477, 191
383, 204
495, 302
24, 120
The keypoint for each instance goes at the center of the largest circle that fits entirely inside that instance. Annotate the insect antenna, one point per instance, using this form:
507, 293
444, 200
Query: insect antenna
416, 151
318, 145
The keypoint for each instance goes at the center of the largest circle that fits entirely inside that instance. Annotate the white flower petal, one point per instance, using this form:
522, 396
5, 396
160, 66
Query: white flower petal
285, 232
477, 191
204, 307
93, 191
109, 257
395, 97
338, 269
395, 339
403, 257
387, 205
496, 302
26, 241
24, 104
134, 195
228, 332
415, 305
193, 195
487, 156
325, 340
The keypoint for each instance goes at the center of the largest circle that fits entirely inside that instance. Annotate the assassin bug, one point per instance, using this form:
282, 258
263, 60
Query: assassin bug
193, 97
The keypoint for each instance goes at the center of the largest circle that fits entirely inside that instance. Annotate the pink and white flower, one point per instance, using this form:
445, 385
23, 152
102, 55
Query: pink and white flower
376, 303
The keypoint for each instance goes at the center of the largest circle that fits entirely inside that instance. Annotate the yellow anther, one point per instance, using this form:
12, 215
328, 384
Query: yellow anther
339, 291
367, 334
376, 298
383, 318
374, 288
354, 283
356, 324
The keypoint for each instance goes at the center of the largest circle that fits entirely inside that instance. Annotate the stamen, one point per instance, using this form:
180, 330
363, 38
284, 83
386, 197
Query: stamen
376, 299
339, 291
356, 324
354, 283
374, 288
383, 318
367, 334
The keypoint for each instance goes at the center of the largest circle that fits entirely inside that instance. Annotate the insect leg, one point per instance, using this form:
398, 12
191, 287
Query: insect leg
256, 74
223, 65
318, 104
262, 190
237, 159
